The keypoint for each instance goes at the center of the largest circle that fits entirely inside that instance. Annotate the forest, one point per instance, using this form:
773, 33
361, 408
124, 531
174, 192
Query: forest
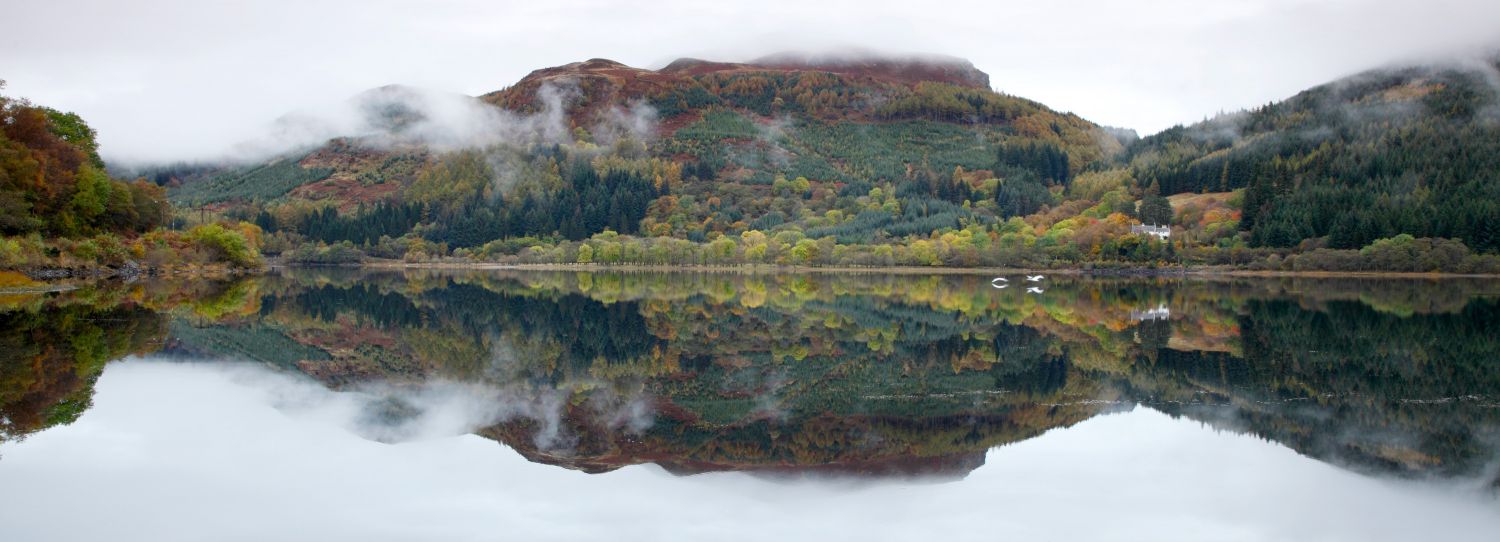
1413, 151
53, 182
61, 211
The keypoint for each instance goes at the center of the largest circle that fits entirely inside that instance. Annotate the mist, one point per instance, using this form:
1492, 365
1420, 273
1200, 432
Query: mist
396, 115
168, 80
175, 451
429, 409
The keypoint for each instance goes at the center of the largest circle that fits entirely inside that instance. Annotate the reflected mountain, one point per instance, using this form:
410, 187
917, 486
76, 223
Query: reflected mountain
861, 374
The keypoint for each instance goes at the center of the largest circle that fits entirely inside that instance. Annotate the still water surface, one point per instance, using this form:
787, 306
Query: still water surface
341, 405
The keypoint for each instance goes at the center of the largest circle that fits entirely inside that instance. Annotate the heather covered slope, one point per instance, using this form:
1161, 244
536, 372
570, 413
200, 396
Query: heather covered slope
804, 100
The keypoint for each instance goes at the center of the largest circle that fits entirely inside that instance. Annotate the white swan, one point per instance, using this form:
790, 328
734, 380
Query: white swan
999, 279
999, 286
1033, 290
1034, 278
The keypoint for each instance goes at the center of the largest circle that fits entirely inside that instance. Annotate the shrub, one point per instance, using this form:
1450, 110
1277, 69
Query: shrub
16, 252
229, 245
1402, 253
337, 253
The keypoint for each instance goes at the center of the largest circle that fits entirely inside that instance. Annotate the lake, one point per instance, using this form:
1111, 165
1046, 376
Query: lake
340, 404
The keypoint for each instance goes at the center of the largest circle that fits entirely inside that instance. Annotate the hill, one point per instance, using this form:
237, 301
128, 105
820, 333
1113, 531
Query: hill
867, 160
724, 147
1412, 150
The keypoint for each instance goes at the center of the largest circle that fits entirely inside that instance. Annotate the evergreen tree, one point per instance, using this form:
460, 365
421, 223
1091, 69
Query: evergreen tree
1155, 209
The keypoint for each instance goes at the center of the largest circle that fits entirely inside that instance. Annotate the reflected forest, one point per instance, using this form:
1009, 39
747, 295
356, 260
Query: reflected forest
788, 375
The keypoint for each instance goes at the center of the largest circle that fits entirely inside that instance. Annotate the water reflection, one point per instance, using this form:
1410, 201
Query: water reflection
54, 346
793, 375
190, 451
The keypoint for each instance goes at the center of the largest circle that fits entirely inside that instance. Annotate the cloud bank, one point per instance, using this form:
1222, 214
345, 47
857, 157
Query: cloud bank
182, 79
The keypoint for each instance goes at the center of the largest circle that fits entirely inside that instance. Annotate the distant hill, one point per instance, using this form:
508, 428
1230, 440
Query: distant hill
1411, 150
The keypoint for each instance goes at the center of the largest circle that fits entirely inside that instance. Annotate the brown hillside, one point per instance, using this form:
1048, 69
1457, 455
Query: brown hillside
586, 88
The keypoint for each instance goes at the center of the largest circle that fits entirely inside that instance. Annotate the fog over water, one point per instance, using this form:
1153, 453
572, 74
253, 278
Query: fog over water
194, 451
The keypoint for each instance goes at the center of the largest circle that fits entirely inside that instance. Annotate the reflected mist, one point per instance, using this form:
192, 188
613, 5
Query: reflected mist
864, 375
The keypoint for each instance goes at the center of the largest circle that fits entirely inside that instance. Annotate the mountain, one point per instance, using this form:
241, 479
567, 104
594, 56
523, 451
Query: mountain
711, 130
872, 160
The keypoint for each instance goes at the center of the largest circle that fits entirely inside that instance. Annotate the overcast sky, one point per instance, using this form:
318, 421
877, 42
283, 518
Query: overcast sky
170, 79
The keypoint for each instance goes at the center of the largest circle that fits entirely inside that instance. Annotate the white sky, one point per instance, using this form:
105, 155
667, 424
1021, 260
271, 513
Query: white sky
169, 79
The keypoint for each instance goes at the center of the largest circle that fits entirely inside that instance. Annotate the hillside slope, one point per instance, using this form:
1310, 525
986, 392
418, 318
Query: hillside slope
1412, 150
693, 150
883, 161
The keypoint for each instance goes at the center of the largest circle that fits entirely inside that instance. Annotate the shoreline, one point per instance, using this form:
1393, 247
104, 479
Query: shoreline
56, 284
45, 280
1145, 272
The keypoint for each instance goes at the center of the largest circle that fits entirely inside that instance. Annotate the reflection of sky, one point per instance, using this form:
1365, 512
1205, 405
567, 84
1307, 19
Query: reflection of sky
198, 452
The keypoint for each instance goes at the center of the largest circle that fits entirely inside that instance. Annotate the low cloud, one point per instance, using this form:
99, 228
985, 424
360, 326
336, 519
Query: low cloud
401, 115
637, 121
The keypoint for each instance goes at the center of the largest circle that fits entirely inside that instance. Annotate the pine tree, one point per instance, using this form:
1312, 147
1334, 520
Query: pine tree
1155, 209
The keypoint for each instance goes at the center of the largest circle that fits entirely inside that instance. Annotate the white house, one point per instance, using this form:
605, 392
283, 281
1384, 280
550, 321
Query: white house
1161, 232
